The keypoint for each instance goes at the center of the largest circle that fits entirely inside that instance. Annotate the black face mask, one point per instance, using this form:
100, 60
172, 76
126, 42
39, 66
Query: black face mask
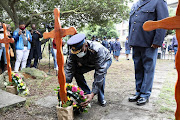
1, 27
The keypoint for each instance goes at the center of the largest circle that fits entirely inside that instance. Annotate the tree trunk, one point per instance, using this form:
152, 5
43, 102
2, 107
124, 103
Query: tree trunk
10, 9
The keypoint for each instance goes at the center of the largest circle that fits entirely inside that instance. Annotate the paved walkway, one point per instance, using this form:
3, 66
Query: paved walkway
7, 99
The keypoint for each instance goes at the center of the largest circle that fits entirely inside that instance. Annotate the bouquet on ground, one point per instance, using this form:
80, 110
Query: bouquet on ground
19, 83
75, 97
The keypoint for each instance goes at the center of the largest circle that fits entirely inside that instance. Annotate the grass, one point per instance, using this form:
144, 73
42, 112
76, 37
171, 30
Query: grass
166, 102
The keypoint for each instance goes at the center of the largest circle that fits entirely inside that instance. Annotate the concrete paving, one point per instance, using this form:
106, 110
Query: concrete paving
7, 99
157, 86
49, 101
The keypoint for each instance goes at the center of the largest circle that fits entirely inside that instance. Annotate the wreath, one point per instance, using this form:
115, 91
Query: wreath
19, 83
75, 97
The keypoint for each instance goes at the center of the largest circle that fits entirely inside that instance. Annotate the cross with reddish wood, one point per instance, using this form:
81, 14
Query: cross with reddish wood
170, 23
7, 40
58, 33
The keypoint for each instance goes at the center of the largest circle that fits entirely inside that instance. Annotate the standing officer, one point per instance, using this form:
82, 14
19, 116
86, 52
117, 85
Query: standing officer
105, 43
145, 45
84, 57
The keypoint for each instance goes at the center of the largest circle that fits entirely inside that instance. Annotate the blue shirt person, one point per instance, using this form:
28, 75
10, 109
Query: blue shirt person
105, 43
127, 48
22, 38
116, 49
111, 45
174, 44
145, 44
86, 56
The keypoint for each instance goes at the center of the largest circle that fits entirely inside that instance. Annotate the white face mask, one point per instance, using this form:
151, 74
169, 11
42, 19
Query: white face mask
81, 54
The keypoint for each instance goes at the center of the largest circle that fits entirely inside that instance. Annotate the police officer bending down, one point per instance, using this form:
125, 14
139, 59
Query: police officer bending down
84, 57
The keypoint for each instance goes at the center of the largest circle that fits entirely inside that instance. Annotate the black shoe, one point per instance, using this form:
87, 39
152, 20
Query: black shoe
134, 98
103, 103
142, 101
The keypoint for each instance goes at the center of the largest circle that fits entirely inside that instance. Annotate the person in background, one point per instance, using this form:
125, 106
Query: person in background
54, 53
163, 49
127, 48
105, 43
145, 45
22, 39
170, 51
97, 39
3, 49
116, 49
11, 47
174, 47
93, 38
111, 42
35, 51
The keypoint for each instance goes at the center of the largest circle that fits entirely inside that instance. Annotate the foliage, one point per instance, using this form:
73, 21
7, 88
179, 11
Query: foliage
73, 12
19, 83
100, 31
75, 97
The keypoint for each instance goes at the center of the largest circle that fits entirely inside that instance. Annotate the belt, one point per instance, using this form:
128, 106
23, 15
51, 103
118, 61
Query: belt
175, 45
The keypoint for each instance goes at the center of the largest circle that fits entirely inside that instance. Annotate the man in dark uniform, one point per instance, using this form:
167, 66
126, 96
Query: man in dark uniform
145, 45
86, 56
35, 51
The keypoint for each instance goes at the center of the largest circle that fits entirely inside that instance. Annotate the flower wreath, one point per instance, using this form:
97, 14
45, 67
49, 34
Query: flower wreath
19, 83
75, 97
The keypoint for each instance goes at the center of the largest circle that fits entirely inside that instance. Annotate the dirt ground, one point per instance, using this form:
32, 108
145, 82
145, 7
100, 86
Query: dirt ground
120, 83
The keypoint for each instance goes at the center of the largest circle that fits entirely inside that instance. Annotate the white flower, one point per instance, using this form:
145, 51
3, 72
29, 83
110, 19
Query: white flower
5, 83
23, 87
20, 80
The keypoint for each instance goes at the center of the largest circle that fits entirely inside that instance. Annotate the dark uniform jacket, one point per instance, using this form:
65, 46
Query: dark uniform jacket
117, 46
127, 47
96, 58
105, 43
141, 12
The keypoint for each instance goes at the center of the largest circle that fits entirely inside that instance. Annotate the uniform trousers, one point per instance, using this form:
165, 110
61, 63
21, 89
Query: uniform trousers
81, 82
144, 64
21, 56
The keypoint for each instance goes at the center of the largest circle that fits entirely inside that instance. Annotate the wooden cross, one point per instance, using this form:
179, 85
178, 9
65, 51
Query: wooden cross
170, 23
7, 40
58, 33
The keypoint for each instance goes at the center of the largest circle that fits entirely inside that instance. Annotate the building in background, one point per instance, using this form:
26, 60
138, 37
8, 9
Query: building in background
172, 3
123, 29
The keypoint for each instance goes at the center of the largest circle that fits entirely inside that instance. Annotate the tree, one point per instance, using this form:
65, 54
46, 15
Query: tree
73, 12
100, 31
